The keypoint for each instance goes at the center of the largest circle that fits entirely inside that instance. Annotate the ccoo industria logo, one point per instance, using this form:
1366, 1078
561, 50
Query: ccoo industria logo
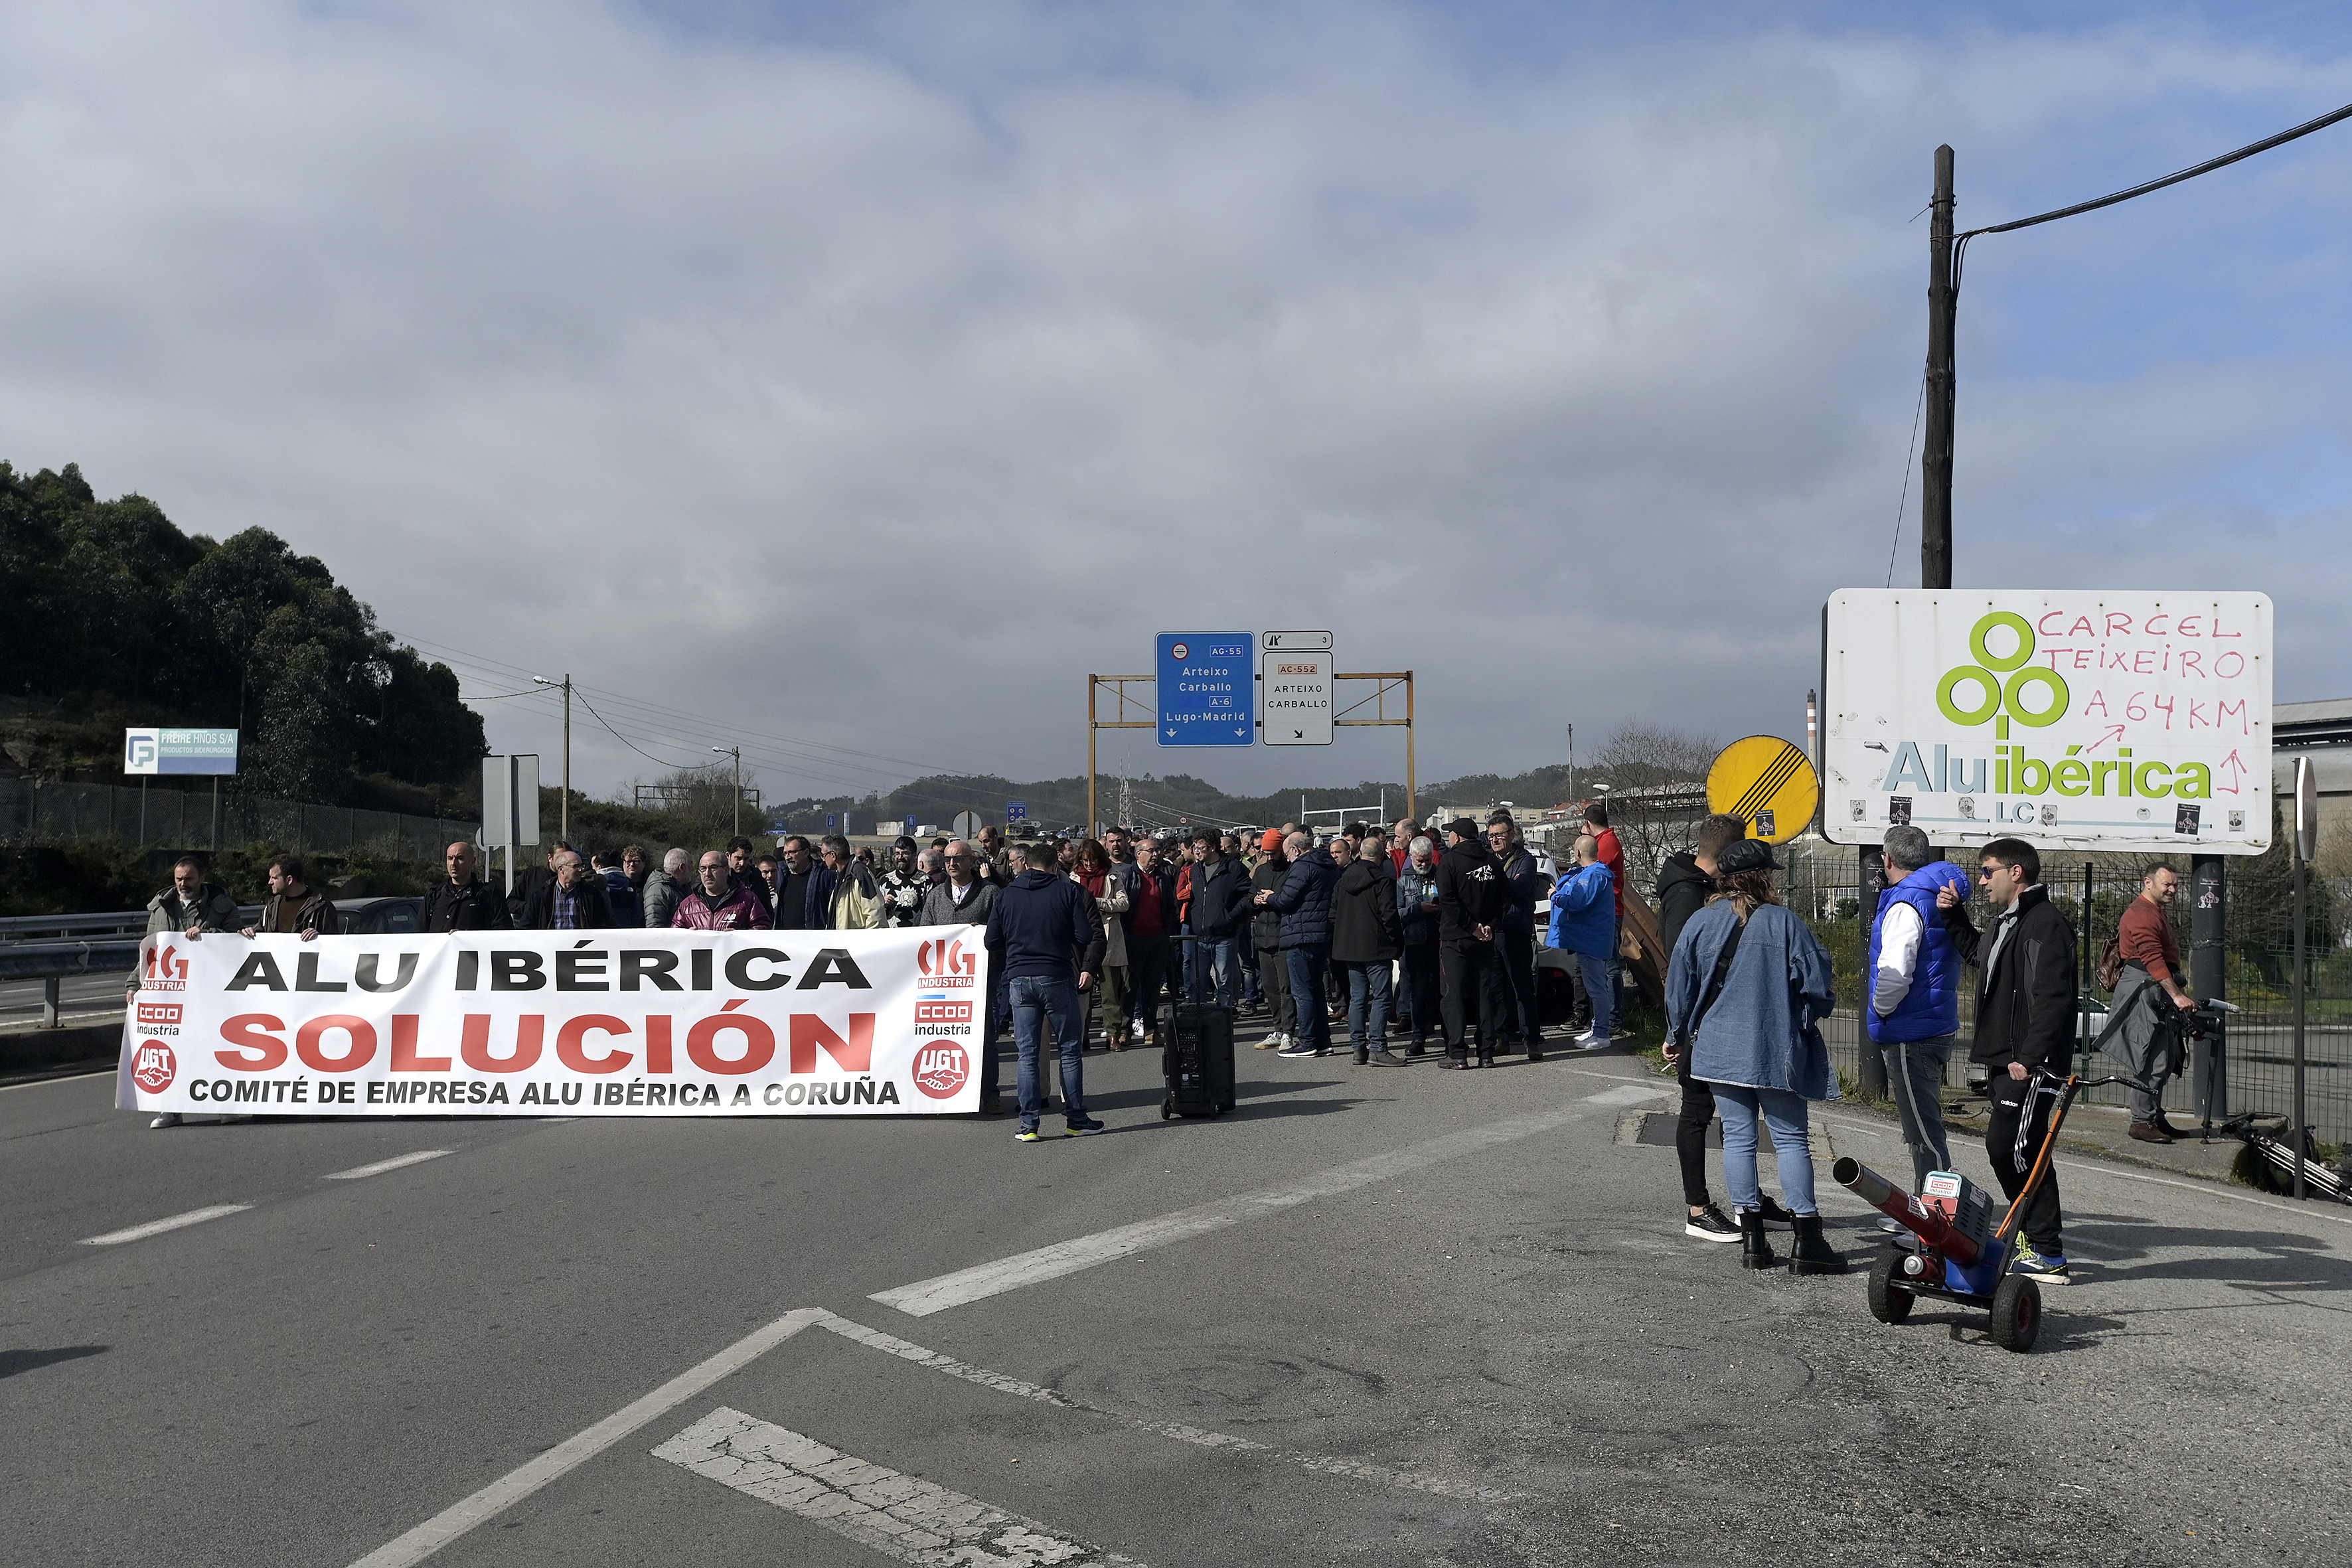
2003, 688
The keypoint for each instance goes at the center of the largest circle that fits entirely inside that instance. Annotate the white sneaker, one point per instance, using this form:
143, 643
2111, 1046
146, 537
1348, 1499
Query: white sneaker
1137, 1028
169, 1119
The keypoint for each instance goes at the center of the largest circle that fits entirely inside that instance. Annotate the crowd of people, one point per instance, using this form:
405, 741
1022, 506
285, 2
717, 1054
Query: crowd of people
1422, 936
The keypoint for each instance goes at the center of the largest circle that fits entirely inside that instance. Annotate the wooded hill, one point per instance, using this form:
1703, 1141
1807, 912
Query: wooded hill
117, 618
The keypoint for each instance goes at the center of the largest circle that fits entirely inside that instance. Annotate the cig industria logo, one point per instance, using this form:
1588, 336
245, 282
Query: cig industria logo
2004, 688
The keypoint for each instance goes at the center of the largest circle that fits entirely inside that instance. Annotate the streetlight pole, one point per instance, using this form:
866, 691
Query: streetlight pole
736, 752
563, 813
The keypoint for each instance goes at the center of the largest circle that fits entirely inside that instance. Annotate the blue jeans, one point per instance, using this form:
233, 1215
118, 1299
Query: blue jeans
1601, 983
1367, 1005
1034, 999
1214, 965
1246, 954
1788, 1116
1307, 968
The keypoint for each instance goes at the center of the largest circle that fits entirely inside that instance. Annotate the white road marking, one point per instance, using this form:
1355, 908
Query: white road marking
358, 1172
1632, 1094
524, 1479
900, 1516
1384, 1475
925, 1297
107, 1072
158, 1227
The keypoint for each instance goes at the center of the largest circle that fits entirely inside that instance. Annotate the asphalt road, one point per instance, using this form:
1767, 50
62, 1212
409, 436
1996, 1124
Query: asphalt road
1399, 1317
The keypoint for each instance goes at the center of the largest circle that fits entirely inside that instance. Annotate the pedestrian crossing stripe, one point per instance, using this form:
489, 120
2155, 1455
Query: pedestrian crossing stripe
1768, 783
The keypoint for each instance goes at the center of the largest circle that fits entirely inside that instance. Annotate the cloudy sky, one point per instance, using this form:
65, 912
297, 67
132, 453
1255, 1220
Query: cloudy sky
851, 381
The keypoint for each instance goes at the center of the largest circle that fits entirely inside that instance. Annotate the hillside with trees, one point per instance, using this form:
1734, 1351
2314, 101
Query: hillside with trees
117, 618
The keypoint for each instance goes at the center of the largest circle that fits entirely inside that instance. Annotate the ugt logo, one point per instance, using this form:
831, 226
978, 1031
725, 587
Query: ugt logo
1994, 694
165, 961
155, 1069
944, 962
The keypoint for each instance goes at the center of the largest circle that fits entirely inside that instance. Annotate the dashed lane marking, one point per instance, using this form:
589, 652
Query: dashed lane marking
897, 1515
1384, 1475
396, 1162
925, 1297
158, 1227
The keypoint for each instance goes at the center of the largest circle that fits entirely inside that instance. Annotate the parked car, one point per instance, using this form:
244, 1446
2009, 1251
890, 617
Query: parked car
389, 916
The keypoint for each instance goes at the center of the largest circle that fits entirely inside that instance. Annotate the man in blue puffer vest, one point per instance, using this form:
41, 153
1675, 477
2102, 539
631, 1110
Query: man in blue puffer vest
1914, 1004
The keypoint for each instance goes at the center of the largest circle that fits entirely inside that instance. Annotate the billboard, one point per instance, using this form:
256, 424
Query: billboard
179, 752
2092, 719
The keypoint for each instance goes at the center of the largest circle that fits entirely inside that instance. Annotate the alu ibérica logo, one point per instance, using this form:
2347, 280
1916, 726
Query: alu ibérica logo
1999, 688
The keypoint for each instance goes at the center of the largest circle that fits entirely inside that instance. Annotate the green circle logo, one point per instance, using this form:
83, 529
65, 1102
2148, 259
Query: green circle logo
2035, 698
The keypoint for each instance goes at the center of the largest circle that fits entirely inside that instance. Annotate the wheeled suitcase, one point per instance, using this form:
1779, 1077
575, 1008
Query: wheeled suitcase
1196, 1059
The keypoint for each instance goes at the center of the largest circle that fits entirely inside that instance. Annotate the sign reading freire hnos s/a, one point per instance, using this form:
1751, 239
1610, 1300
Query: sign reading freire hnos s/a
602, 1023
2091, 720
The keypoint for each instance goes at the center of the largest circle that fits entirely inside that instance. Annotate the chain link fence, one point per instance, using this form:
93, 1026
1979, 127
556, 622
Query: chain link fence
2258, 953
196, 819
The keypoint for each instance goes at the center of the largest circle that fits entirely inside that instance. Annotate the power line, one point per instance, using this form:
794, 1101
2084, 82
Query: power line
626, 742
2207, 167
1903, 495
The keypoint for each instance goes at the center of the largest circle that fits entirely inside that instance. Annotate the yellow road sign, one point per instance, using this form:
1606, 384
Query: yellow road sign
1766, 783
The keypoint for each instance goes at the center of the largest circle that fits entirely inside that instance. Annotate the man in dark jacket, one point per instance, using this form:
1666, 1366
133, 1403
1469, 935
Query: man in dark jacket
1514, 935
572, 900
1045, 934
1265, 934
804, 888
190, 906
1416, 896
1304, 902
463, 902
532, 879
1364, 944
1221, 910
962, 899
1150, 927
2025, 1021
1471, 896
742, 869
1685, 882
294, 908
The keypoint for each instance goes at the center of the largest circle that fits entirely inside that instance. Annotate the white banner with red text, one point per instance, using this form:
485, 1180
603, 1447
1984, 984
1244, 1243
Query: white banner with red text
602, 1023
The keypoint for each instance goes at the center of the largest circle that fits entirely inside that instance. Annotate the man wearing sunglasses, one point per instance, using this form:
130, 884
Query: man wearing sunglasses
2025, 1021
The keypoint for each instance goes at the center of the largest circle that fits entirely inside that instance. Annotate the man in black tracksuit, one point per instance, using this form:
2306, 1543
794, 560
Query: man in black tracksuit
2025, 1020
1472, 894
1685, 882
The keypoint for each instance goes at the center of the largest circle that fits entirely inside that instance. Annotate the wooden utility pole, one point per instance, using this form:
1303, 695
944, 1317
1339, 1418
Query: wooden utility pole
1936, 457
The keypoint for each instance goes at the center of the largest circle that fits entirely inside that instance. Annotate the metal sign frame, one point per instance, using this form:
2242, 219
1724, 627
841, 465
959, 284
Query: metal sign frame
1387, 684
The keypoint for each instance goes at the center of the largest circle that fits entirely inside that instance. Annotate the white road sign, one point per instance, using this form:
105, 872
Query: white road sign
1293, 642
2087, 719
1294, 692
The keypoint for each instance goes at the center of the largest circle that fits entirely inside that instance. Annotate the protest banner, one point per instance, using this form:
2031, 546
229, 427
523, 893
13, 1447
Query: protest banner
592, 1023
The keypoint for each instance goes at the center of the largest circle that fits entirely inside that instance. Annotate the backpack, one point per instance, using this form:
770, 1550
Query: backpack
2110, 971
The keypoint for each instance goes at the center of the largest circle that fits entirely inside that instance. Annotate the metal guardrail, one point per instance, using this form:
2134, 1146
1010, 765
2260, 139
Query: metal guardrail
34, 927
51, 962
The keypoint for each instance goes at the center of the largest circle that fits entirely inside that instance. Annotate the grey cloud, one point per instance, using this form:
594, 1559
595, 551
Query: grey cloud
694, 362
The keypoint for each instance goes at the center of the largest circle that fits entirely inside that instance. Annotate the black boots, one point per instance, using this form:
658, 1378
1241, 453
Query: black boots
1755, 1247
1809, 1253
1485, 1055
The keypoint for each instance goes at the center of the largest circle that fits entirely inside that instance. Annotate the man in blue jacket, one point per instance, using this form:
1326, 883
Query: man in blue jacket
1304, 902
1584, 922
1046, 934
1915, 1001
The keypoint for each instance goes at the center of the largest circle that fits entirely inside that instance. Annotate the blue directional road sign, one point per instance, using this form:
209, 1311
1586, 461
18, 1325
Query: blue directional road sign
1206, 689
1017, 811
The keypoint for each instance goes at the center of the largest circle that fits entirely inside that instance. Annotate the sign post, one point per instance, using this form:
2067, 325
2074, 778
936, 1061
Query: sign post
146, 752
2306, 844
1017, 811
509, 805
